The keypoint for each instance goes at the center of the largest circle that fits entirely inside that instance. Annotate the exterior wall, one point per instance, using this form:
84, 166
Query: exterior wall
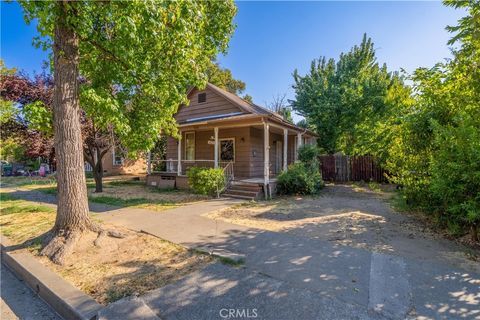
256, 155
215, 105
291, 149
274, 137
138, 166
256, 163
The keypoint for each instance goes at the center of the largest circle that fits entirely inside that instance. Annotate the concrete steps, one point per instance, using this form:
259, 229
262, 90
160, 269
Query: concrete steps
242, 190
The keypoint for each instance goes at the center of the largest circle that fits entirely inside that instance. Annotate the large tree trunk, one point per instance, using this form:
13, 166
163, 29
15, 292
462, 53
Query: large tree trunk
72, 211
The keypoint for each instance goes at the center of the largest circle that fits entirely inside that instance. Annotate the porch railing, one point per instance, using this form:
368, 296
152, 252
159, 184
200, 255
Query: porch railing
228, 174
171, 165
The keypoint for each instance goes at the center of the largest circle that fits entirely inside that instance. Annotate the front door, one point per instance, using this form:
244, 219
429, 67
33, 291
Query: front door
278, 156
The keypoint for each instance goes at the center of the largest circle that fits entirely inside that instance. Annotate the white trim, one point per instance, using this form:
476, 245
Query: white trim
285, 149
299, 143
220, 149
149, 162
215, 152
266, 156
179, 154
225, 115
194, 146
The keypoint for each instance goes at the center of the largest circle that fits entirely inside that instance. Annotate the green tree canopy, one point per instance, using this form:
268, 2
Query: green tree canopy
337, 97
128, 64
139, 58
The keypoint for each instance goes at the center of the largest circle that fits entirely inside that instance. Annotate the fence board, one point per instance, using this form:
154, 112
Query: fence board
342, 168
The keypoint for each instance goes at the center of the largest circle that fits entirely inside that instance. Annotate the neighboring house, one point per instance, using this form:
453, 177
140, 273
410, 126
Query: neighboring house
114, 163
218, 129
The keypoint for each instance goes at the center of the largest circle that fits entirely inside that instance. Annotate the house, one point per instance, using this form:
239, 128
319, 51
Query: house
218, 129
115, 163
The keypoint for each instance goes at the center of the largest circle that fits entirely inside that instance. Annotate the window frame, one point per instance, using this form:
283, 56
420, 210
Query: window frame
114, 156
194, 146
220, 150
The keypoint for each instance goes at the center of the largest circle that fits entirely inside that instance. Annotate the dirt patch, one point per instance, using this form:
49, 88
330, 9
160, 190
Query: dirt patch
355, 216
125, 267
114, 269
139, 191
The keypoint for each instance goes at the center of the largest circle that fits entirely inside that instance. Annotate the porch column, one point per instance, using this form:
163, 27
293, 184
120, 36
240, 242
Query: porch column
149, 162
299, 144
285, 148
215, 156
179, 157
266, 154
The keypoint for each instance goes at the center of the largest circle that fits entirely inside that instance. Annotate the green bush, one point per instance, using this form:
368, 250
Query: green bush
206, 181
308, 154
300, 179
455, 174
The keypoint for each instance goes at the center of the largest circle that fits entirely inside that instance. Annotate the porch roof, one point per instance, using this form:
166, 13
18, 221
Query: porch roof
250, 112
243, 120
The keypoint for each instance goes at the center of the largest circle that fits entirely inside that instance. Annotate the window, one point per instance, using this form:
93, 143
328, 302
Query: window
190, 146
117, 156
227, 149
202, 97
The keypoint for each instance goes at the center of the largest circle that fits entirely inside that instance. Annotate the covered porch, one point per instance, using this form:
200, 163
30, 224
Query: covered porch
250, 149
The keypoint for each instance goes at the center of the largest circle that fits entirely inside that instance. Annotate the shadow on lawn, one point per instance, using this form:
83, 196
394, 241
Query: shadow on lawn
46, 198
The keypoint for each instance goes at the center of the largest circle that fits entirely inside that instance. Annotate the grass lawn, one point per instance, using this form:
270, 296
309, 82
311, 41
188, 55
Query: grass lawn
121, 193
114, 269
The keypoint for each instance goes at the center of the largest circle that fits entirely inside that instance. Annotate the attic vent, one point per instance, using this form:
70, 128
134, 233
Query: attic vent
202, 97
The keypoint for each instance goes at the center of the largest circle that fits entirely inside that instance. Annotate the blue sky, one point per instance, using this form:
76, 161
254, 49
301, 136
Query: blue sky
274, 38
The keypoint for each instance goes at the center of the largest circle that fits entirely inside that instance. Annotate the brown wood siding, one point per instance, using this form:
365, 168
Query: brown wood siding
172, 148
241, 166
291, 149
215, 105
256, 154
273, 152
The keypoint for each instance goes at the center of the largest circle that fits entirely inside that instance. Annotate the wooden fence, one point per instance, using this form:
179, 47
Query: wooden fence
343, 168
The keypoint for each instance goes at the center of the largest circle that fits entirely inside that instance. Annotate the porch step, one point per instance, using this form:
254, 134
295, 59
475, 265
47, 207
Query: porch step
236, 196
241, 190
241, 187
246, 193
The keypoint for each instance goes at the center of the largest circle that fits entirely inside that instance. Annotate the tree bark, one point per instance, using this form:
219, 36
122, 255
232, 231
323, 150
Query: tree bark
72, 210
98, 172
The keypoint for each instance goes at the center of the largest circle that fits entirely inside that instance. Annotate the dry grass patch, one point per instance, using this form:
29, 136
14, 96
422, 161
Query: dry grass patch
137, 194
114, 269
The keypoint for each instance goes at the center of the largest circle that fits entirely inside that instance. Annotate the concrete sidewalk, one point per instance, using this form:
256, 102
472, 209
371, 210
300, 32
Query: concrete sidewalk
183, 225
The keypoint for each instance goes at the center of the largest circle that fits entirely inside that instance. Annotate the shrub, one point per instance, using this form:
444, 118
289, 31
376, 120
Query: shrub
300, 179
206, 181
308, 154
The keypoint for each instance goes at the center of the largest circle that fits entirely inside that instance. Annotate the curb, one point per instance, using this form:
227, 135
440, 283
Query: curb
69, 302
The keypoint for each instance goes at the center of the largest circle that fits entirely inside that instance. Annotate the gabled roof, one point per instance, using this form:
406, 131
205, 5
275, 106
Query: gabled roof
251, 108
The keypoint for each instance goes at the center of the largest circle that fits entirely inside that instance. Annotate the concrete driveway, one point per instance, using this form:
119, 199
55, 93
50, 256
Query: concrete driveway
291, 275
